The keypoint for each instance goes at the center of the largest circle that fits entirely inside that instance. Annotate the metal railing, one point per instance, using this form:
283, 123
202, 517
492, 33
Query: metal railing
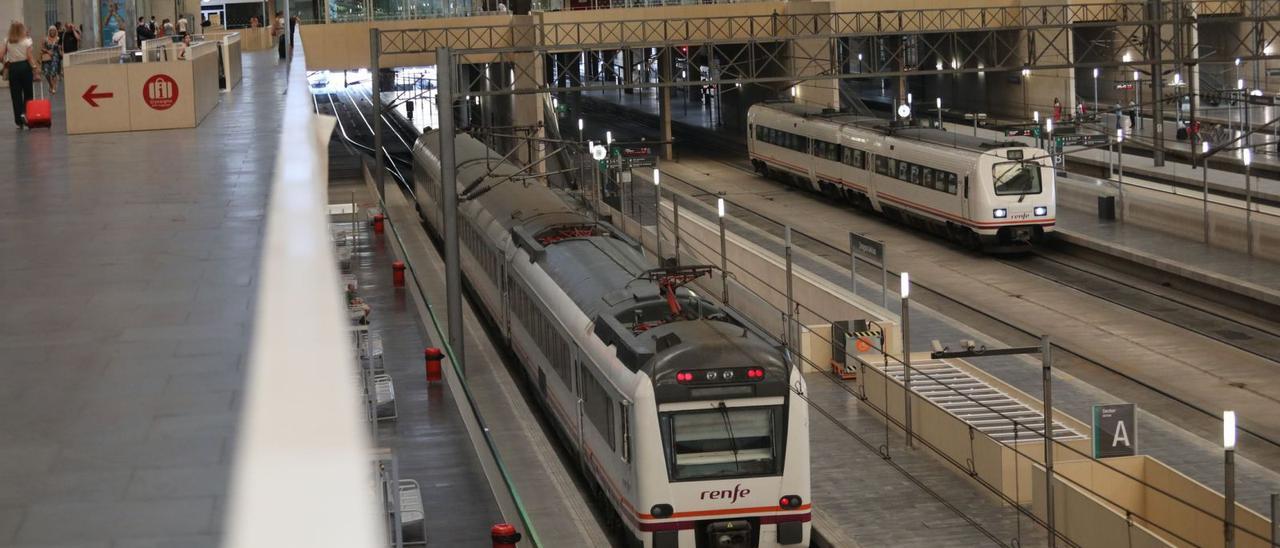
303, 453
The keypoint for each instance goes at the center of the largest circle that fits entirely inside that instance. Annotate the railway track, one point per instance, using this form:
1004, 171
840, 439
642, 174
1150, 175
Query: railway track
1112, 287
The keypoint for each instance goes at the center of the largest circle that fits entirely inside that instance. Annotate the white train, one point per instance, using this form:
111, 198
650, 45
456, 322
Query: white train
684, 417
983, 194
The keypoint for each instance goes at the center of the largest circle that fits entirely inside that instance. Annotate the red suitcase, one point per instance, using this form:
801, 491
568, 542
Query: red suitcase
39, 111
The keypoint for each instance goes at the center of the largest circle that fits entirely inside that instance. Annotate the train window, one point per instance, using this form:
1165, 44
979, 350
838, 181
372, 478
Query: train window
904, 171
597, 406
1014, 178
951, 183
915, 174
882, 166
859, 159
725, 442
927, 176
625, 415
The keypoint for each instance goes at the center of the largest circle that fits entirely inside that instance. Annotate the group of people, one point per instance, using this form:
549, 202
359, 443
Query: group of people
25, 63
147, 30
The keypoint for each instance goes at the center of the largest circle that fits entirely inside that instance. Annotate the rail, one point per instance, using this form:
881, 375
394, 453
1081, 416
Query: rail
303, 454
95, 56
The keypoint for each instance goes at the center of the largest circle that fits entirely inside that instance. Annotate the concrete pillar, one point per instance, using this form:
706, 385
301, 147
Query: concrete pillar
665, 62
629, 69
1042, 86
813, 57
527, 108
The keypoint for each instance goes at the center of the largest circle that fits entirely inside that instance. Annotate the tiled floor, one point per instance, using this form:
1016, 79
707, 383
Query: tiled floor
127, 269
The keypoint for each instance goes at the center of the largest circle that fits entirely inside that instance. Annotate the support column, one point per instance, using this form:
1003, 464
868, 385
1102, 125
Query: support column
527, 107
664, 101
812, 57
629, 69
1155, 53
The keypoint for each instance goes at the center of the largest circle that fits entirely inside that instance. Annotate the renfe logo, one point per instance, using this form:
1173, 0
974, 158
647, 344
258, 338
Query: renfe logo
160, 92
732, 495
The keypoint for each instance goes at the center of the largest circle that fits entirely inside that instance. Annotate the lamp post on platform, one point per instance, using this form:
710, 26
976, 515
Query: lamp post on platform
1229, 481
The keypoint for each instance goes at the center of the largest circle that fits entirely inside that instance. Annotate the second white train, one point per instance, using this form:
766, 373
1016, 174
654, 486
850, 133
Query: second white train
983, 194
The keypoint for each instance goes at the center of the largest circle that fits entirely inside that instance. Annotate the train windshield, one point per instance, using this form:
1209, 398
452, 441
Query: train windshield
1014, 178
722, 442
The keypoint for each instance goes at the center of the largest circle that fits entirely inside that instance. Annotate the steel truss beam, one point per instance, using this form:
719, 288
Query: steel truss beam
787, 49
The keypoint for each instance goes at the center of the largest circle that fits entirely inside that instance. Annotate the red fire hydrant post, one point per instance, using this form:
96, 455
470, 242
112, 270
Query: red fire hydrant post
434, 355
378, 220
397, 273
504, 535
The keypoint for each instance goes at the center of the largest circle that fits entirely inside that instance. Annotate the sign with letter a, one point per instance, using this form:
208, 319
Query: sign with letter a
1115, 430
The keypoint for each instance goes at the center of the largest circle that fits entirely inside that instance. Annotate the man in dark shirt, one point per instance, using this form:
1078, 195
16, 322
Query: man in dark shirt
143, 31
70, 39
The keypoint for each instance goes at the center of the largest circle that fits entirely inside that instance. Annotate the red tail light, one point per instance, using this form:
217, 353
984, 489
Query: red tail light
684, 376
755, 373
790, 502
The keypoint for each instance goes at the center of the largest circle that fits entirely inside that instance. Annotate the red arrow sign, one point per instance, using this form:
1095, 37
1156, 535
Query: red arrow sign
89, 95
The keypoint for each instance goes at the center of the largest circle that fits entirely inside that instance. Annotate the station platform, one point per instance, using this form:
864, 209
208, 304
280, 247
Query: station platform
129, 270
427, 435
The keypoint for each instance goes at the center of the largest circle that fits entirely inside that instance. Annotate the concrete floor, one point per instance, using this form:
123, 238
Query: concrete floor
128, 265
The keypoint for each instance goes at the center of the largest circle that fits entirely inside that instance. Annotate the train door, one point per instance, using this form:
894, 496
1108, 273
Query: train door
964, 199
576, 390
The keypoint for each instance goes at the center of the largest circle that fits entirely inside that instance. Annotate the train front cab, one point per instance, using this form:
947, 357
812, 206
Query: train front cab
1013, 204
737, 468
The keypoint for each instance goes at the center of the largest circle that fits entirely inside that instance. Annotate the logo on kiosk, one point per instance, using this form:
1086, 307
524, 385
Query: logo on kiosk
732, 495
160, 92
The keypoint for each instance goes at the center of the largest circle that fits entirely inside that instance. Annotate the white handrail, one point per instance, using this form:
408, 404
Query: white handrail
303, 465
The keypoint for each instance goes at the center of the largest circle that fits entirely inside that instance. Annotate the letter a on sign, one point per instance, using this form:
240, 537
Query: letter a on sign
1120, 437
1115, 431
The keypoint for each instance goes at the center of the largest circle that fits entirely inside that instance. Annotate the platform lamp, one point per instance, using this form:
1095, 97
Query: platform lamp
579, 129
657, 214
1246, 158
1120, 163
724, 261
904, 290
1137, 94
1035, 118
1095, 91
1204, 171
1229, 482
1048, 137
938, 102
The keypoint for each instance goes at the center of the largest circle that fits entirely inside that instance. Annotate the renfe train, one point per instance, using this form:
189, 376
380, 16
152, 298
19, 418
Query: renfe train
683, 416
994, 196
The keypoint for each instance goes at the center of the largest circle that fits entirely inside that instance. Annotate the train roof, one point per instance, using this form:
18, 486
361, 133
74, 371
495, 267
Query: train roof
951, 139
607, 276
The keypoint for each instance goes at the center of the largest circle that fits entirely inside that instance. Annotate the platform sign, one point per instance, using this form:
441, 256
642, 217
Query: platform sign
872, 251
639, 156
1115, 430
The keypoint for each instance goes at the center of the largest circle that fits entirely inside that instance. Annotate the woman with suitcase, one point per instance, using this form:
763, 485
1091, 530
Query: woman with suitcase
21, 69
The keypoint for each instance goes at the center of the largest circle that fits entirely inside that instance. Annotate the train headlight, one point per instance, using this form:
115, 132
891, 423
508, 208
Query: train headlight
790, 502
1041, 211
661, 511
1000, 213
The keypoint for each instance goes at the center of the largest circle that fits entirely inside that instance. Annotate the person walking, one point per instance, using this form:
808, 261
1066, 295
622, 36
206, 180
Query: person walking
167, 25
1133, 115
21, 69
71, 39
1057, 110
277, 32
51, 59
182, 25
293, 29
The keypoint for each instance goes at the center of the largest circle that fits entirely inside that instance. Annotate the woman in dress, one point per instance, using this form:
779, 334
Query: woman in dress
51, 59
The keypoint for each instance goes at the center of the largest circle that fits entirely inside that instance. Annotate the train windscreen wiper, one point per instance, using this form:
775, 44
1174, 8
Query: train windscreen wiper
733, 440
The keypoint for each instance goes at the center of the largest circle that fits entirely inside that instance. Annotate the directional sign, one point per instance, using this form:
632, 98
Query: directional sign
90, 96
1086, 140
1115, 431
866, 248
